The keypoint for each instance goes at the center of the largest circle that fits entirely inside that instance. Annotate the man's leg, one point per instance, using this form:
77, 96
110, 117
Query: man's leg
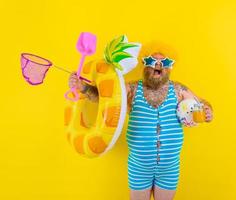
161, 194
165, 183
141, 194
140, 182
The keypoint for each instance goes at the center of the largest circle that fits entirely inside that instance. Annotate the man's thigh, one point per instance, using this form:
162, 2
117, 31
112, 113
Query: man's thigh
161, 194
140, 194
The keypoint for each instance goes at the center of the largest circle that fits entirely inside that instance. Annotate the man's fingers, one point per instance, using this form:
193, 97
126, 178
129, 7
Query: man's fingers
209, 118
73, 75
190, 124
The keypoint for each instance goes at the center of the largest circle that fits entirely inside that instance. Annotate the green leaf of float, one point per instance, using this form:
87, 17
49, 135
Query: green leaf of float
120, 56
122, 46
106, 54
111, 47
114, 43
108, 51
118, 66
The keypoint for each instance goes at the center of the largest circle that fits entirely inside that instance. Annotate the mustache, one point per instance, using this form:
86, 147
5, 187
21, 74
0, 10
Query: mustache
152, 82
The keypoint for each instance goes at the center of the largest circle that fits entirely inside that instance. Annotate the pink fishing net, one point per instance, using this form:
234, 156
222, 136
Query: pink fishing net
34, 68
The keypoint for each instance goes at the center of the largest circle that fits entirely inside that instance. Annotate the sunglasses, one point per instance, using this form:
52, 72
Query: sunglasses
151, 62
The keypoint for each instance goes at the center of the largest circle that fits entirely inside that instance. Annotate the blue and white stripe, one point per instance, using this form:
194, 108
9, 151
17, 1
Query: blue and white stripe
148, 162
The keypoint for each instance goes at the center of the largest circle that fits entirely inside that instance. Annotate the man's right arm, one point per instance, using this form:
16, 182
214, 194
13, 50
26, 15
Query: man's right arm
131, 88
90, 91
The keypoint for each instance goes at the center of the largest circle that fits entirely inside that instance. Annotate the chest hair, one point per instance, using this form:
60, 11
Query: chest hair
155, 97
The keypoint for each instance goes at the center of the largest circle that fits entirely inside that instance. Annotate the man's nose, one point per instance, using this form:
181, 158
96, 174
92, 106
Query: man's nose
158, 65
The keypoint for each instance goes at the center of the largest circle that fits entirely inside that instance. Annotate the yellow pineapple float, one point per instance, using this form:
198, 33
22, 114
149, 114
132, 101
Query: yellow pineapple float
93, 127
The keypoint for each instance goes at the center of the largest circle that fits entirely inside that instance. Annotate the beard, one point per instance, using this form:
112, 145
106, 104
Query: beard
154, 82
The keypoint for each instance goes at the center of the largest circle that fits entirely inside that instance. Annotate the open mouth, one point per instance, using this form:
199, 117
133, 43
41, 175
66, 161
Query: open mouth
157, 71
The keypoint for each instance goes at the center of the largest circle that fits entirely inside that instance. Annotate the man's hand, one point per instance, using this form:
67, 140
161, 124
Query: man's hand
90, 91
185, 93
75, 82
189, 124
207, 110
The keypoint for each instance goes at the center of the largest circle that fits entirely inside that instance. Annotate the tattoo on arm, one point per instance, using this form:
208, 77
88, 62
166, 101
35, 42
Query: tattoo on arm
91, 92
183, 88
131, 90
204, 102
183, 92
179, 89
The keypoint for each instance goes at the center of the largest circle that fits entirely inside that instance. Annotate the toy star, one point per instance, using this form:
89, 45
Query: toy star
149, 61
167, 62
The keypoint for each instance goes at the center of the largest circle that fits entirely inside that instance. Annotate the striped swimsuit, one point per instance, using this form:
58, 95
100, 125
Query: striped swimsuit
155, 138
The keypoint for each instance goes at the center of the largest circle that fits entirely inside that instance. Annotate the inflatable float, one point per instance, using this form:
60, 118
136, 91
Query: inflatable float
93, 128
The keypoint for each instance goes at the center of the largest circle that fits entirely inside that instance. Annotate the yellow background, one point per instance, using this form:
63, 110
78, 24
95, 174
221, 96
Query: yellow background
36, 160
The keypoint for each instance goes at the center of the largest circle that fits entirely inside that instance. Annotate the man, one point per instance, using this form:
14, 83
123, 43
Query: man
154, 133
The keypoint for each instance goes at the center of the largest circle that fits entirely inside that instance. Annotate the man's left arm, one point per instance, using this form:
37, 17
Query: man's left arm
183, 92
